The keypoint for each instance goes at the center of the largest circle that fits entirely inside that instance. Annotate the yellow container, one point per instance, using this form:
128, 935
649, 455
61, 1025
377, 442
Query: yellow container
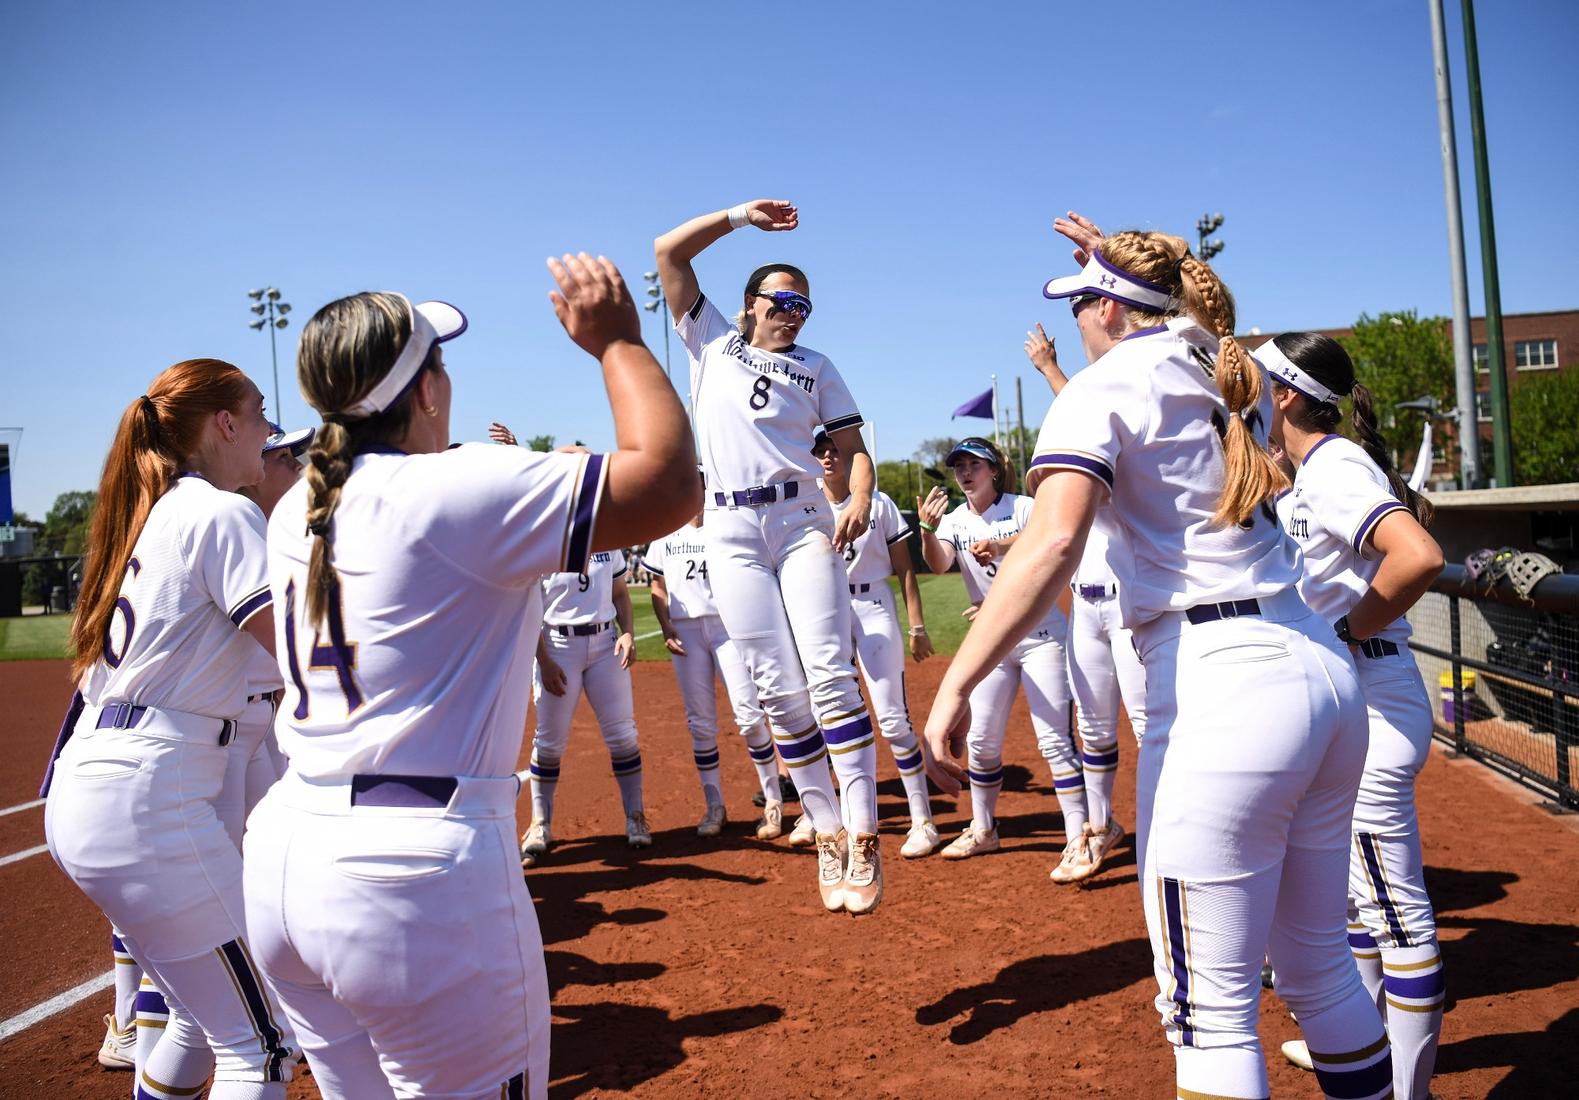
1446, 683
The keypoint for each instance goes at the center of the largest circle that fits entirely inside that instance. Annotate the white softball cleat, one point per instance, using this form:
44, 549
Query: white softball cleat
1100, 843
1298, 1053
863, 877
804, 834
638, 834
771, 827
831, 851
713, 819
120, 1047
536, 841
1085, 853
972, 842
922, 840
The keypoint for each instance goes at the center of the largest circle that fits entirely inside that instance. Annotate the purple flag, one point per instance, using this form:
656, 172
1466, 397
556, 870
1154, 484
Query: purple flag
980, 405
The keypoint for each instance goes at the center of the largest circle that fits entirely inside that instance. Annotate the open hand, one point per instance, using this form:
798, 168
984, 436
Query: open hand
1040, 351
930, 511
1083, 232
944, 741
920, 647
593, 303
773, 215
625, 648
985, 551
500, 434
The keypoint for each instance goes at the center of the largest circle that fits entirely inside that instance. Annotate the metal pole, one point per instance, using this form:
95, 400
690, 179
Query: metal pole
1019, 401
279, 414
1463, 363
997, 434
1456, 643
1501, 433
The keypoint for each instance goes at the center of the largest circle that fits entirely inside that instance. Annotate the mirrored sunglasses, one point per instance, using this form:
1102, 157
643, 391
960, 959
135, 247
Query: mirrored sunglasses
789, 301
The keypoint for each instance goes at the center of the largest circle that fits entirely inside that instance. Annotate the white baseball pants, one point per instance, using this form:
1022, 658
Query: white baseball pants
881, 647
784, 597
1103, 668
401, 940
1255, 740
131, 819
589, 663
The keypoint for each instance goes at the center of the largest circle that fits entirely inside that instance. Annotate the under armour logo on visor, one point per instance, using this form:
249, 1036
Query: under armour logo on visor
1108, 281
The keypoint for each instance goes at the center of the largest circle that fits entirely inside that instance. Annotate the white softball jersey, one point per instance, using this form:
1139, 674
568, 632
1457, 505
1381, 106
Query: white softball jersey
1147, 420
756, 411
424, 665
681, 560
197, 573
1005, 516
867, 558
1338, 497
580, 599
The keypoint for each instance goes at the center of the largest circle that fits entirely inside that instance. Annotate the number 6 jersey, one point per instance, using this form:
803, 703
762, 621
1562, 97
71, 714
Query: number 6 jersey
756, 411
423, 665
1147, 420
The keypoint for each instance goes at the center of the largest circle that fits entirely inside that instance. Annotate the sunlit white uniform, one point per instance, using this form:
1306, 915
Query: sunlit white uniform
383, 879
782, 591
1037, 661
579, 632
880, 643
680, 559
132, 813
1255, 727
1338, 498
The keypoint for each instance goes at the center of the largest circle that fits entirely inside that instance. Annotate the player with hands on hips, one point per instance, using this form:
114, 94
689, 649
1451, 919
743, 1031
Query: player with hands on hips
175, 605
773, 545
586, 644
1103, 668
977, 534
1367, 559
1255, 725
408, 580
699, 648
883, 551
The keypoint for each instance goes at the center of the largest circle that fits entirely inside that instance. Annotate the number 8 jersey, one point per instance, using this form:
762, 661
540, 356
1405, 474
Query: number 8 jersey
756, 411
1127, 419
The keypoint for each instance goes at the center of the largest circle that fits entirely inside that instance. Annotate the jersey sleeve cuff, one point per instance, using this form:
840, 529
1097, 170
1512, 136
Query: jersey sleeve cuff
251, 605
900, 536
839, 423
651, 568
1074, 460
583, 513
1367, 525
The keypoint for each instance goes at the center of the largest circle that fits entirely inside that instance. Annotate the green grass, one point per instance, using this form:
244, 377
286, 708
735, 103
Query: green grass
942, 598
34, 637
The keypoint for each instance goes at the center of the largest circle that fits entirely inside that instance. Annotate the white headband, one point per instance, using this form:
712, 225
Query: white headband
1101, 277
1282, 368
431, 323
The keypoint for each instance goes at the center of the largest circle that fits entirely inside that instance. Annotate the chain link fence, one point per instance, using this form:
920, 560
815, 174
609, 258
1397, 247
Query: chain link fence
1505, 674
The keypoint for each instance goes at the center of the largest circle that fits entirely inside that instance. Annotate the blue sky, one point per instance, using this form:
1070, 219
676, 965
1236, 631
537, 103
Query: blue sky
163, 158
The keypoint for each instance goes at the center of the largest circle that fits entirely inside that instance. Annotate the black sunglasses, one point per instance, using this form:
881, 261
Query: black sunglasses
787, 300
1079, 300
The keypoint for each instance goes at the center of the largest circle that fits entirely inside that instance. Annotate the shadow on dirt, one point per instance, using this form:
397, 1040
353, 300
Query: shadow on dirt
1039, 984
650, 1042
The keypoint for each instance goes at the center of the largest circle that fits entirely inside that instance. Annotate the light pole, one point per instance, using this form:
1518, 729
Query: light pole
270, 315
1205, 227
656, 304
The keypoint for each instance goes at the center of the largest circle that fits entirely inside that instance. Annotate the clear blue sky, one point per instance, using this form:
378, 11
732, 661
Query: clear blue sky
161, 159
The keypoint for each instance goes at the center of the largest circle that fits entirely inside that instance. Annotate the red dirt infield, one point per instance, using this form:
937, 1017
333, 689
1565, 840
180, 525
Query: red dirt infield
707, 967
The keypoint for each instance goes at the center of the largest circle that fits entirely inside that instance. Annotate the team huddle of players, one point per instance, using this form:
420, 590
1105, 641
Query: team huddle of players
1194, 538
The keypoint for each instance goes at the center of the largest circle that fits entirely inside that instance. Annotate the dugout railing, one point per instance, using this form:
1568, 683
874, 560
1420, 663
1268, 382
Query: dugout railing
1503, 672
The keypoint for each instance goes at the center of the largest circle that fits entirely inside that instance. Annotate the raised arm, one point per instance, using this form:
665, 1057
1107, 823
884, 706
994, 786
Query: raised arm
1029, 579
939, 555
651, 486
1043, 355
677, 248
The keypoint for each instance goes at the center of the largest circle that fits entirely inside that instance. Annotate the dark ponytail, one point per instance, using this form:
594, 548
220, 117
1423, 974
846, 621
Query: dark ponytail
1324, 359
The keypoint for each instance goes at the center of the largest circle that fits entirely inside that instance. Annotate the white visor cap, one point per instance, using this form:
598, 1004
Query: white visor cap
1282, 368
1101, 277
431, 323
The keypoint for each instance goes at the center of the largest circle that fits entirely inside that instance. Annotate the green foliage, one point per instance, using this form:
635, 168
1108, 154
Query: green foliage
35, 638
1545, 410
540, 443
900, 480
1400, 357
66, 524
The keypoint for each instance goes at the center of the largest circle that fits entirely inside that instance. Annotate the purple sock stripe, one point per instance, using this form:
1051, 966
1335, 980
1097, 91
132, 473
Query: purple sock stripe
1420, 987
803, 747
908, 763
706, 760
1100, 759
1373, 870
762, 755
985, 779
1070, 783
544, 772
1173, 904
1361, 941
629, 766
1375, 1079
116, 945
849, 731
150, 1002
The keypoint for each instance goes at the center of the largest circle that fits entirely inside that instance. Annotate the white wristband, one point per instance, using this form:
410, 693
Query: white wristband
739, 216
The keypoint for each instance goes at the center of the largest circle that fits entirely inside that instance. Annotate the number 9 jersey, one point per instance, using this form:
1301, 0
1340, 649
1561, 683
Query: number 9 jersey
755, 411
576, 599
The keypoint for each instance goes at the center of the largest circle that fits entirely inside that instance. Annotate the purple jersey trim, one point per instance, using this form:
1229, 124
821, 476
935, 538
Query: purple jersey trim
1152, 331
251, 606
1372, 518
579, 547
1319, 444
1086, 464
839, 423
